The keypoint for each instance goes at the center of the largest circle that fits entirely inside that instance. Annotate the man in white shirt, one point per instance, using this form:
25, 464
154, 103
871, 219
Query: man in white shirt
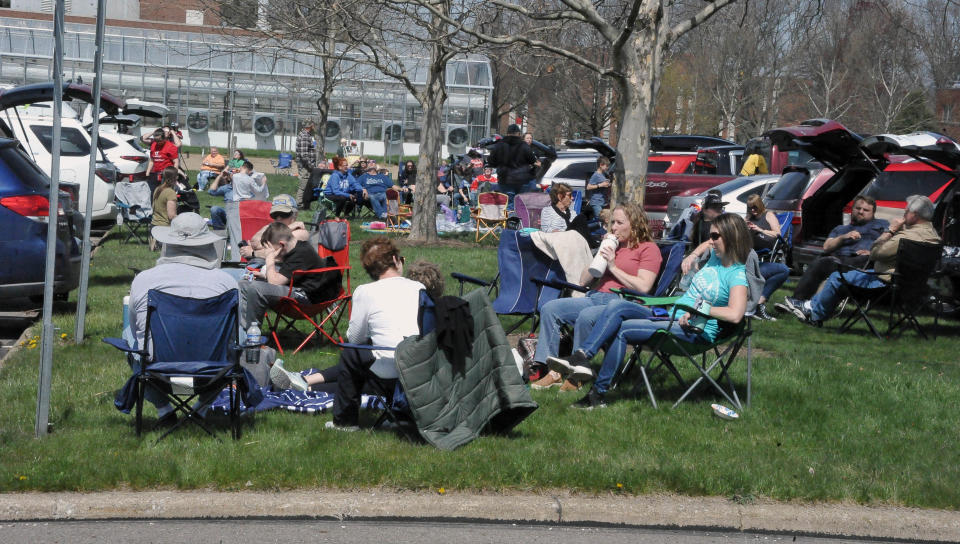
383, 314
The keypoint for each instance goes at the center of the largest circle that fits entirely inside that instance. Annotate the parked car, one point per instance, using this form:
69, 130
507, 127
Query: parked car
35, 135
908, 177
690, 143
722, 160
24, 220
671, 163
125, 153
818, 198
735, 191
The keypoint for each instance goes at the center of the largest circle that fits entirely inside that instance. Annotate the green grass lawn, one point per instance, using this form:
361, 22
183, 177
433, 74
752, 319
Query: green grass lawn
833, 418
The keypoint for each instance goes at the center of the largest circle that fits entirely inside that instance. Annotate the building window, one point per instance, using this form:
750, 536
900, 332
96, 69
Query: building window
947, 112
194, 17
4, 3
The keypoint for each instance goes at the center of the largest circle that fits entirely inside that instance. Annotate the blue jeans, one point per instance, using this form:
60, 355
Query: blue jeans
203, 178
604, 330
823, 304
568, 311
634, 331
378, 201
512, 190
774, 274
218, 217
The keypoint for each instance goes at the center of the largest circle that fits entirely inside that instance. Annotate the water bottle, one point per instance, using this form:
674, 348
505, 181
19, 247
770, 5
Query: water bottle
599, 264
253, 343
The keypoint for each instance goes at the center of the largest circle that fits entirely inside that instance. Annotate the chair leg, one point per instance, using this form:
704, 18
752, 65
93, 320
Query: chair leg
139, 418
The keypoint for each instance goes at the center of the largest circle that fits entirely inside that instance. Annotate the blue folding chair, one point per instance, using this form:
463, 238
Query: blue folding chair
526, 279
283, 164
192, 355
784, 242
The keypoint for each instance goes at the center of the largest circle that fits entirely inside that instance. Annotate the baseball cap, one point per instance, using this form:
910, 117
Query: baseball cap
714, 199
283, 204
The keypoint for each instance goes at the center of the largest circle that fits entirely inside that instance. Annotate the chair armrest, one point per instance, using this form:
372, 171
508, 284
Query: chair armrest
657, 301
559, 284
297, 273
627, 293
848, 268
122, 345
468, 279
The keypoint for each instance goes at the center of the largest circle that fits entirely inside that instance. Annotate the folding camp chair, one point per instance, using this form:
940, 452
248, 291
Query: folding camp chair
782, 245
254, 215
284, 164
490, 214
397, 213
905, 293
712, 361
333, 240
135, 207
192, 356
528, 207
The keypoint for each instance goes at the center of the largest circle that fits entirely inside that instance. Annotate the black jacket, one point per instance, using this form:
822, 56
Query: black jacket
513, 160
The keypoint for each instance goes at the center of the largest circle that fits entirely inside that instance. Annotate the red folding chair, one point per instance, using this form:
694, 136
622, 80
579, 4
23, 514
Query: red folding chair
490, 214
333, 240
254, 215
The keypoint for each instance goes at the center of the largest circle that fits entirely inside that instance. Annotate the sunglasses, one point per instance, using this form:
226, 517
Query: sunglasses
754, 209
715, 236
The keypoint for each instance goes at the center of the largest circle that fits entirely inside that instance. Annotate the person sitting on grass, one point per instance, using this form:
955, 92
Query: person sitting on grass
285, 254
376, 182
634, 264
915, 225
341, 188
250, 185
427, 273
718, 290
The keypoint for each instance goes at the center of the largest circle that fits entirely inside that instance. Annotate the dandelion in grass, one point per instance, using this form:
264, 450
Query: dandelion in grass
441, 491
63, 336
22, 477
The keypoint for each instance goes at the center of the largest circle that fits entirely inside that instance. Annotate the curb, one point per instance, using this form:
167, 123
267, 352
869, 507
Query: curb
847, 520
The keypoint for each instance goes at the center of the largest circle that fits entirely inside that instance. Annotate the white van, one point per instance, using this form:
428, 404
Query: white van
35, 134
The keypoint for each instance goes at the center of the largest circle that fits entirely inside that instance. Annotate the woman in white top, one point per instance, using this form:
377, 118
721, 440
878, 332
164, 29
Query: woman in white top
558, 216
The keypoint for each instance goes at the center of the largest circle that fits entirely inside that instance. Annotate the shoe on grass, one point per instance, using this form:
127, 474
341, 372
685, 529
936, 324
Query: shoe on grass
551, 379
573, 367
168, 420
570, 385
284, 379
761, 313
345, 428
593, 400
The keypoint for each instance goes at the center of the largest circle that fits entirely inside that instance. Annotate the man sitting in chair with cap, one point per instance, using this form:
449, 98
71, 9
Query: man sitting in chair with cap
283, 210
189, 266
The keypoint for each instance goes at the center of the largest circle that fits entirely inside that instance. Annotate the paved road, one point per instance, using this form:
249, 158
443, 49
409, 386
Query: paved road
365, 532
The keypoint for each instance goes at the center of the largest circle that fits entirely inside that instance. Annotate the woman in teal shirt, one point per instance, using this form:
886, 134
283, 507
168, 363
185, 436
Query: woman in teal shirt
719, 290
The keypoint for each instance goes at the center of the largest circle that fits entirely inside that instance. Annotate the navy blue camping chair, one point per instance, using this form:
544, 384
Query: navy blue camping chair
284, 164
193, 355
526, 279
784, 242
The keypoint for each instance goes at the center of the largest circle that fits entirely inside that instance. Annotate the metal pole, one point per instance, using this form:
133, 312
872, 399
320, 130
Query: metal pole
91, 172
46, 345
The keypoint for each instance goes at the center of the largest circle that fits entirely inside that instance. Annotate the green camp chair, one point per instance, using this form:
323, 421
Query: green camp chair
714, 359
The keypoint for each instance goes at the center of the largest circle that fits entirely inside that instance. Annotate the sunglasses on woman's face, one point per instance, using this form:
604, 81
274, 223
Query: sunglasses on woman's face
714, 236
754, 209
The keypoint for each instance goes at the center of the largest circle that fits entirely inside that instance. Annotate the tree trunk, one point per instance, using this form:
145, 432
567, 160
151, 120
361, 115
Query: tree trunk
640, 60
323, 104
424, 222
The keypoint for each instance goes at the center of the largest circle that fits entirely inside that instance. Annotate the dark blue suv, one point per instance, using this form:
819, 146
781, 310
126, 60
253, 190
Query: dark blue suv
24, 210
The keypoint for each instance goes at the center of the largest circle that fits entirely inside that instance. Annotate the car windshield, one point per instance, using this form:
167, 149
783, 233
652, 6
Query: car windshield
898, 185
799, 157
790, 186
579, 170
15, 164
72, 141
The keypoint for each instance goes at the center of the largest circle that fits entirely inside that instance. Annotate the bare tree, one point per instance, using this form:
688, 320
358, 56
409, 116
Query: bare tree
638, 33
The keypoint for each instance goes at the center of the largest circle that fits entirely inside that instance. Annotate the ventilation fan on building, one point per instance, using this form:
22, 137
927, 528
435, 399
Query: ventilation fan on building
264, 127
392, 139
457, 138
331, 135
198, 121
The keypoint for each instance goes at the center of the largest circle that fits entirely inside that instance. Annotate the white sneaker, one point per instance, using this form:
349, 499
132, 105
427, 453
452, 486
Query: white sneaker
284, 379
344, 428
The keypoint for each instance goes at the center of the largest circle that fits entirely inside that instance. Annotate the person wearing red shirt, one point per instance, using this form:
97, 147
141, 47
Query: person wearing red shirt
163, 153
